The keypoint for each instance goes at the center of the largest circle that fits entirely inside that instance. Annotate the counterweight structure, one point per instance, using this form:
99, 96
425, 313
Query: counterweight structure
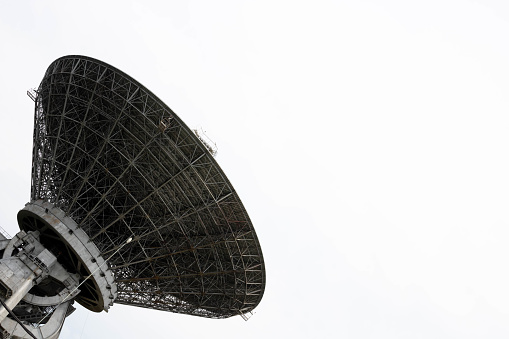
127, 206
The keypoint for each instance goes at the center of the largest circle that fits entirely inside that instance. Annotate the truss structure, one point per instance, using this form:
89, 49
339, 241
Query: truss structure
116, 160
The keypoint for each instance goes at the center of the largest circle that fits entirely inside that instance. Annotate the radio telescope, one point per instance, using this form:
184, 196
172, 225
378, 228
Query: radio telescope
127, 206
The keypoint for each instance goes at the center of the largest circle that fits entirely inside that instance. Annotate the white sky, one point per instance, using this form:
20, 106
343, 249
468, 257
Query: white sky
368, 140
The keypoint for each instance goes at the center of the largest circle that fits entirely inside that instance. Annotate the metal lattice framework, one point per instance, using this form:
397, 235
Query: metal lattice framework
121, 164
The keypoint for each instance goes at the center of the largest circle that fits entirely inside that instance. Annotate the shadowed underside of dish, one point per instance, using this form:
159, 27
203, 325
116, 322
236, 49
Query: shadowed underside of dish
121, 164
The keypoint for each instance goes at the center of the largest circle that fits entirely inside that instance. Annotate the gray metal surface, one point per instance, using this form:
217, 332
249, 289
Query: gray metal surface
36, 291
79, 255
121, 164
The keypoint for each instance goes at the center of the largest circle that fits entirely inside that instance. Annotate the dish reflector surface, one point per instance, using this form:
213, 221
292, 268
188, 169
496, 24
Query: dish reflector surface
118, 161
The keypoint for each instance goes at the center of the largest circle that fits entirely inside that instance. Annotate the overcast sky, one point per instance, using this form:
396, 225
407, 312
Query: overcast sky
368, 141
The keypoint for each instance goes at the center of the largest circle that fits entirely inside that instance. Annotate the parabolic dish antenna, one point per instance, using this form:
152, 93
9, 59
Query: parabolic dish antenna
127, 206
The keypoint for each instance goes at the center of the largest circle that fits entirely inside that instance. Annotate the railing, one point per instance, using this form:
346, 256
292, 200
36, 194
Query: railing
4, 233
246, 316
32, 94
206, 141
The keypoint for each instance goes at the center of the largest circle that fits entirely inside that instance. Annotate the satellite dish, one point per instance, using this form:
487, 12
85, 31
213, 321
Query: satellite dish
128, 205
